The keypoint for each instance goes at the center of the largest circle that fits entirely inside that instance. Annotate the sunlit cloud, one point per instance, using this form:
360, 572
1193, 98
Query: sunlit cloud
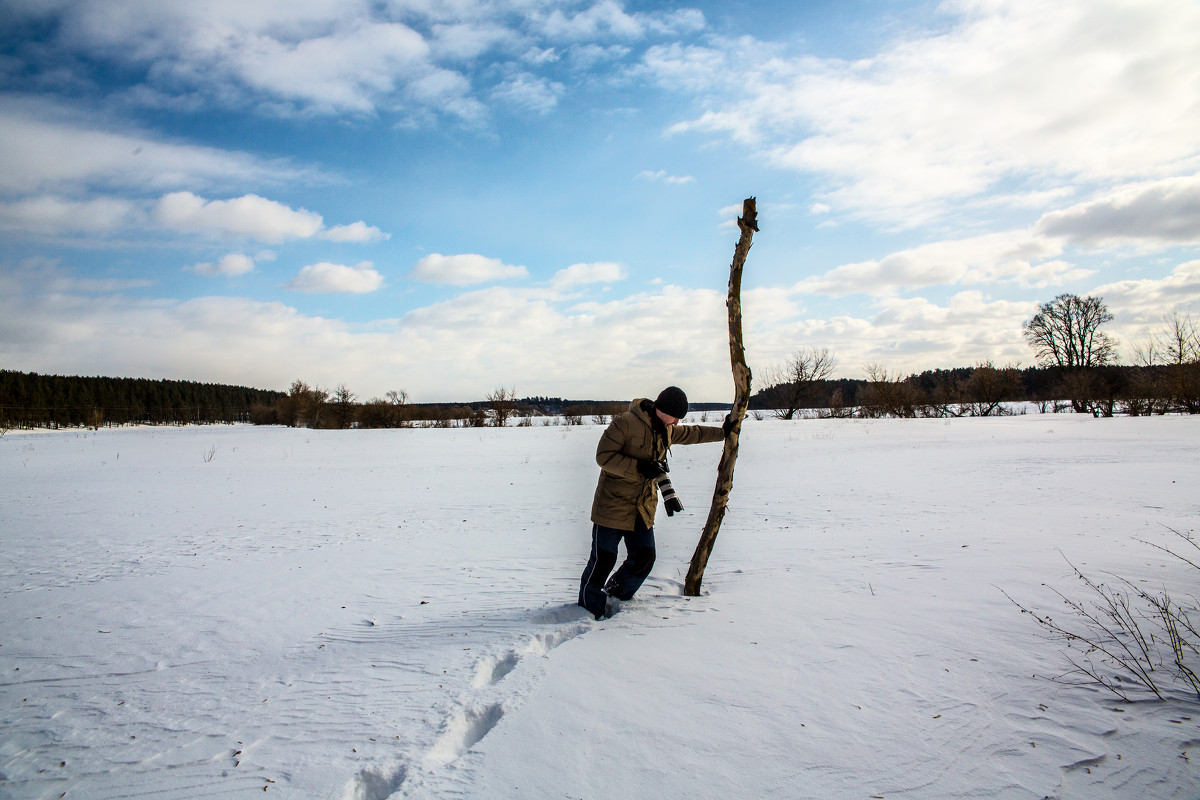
464, 269
327, 278
230, 265
1019, 257
249, 215
354, 232
578, 274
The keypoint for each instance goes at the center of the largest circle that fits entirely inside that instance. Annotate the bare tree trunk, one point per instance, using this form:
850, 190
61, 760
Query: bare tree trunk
748, 223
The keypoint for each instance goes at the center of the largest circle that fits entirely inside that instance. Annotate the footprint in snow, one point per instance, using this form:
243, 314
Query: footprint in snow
376, 783
560, 614
491, 670
463, 731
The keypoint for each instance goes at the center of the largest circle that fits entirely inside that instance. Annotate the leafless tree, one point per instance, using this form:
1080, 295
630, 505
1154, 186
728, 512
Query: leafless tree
792, 382
399, 403
1066, 332
342, 407
503, 406
304, 405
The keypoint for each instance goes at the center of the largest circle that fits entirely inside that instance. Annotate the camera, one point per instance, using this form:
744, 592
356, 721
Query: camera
670, 499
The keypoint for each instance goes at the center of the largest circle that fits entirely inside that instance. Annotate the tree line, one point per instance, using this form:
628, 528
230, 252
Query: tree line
980, 391
1076, 369
305, 406
30, 400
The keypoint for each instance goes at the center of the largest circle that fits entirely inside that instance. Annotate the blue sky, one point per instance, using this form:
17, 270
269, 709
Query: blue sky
451, 196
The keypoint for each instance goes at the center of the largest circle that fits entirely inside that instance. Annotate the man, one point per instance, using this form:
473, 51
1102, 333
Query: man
632, 456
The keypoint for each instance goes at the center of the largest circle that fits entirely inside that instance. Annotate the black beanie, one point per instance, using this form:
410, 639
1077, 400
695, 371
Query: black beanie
672, 402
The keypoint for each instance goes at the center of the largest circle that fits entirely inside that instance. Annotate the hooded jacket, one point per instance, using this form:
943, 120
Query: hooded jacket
622, 493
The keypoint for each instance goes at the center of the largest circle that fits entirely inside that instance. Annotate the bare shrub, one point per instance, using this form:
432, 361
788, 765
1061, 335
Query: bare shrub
1123, 636
989, 388
390, 411
1171, 355
838, 408
888, 396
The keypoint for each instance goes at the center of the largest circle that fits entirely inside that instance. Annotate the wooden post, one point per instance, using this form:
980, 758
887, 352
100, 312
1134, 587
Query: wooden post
748, 223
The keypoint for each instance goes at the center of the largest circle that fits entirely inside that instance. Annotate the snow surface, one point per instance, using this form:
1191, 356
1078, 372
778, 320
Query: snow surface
215, 611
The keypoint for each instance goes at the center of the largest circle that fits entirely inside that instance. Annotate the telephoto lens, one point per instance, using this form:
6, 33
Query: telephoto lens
670, 499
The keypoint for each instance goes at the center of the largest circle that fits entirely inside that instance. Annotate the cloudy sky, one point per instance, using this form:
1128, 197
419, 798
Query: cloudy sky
450, 196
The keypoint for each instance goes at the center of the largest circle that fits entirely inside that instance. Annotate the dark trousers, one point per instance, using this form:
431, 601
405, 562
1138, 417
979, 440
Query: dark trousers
639, 560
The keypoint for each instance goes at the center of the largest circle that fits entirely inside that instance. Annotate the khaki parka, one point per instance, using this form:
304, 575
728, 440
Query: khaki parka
622, 493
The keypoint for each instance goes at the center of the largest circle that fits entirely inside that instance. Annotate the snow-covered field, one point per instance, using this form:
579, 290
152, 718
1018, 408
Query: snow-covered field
211, 612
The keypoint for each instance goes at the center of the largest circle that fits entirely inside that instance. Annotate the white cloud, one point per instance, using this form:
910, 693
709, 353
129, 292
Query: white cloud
44, 145
463, 41
322, 56
538, 56
529, 92
50, 214
229, 266
1162, 212
464, 269
661, 176
1014, 256
605, 18
587, 57
596, 272
354, 232
1150, 297
346, 70
1016, 91
421, 59
249, 215
327, 278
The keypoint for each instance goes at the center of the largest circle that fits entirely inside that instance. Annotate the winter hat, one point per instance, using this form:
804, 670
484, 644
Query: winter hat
672, 402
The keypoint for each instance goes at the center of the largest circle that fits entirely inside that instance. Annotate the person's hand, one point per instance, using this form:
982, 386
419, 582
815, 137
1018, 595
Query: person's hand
728, 424
651, 469
672, 505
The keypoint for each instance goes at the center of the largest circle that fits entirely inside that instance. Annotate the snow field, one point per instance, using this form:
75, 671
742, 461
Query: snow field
388, 613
